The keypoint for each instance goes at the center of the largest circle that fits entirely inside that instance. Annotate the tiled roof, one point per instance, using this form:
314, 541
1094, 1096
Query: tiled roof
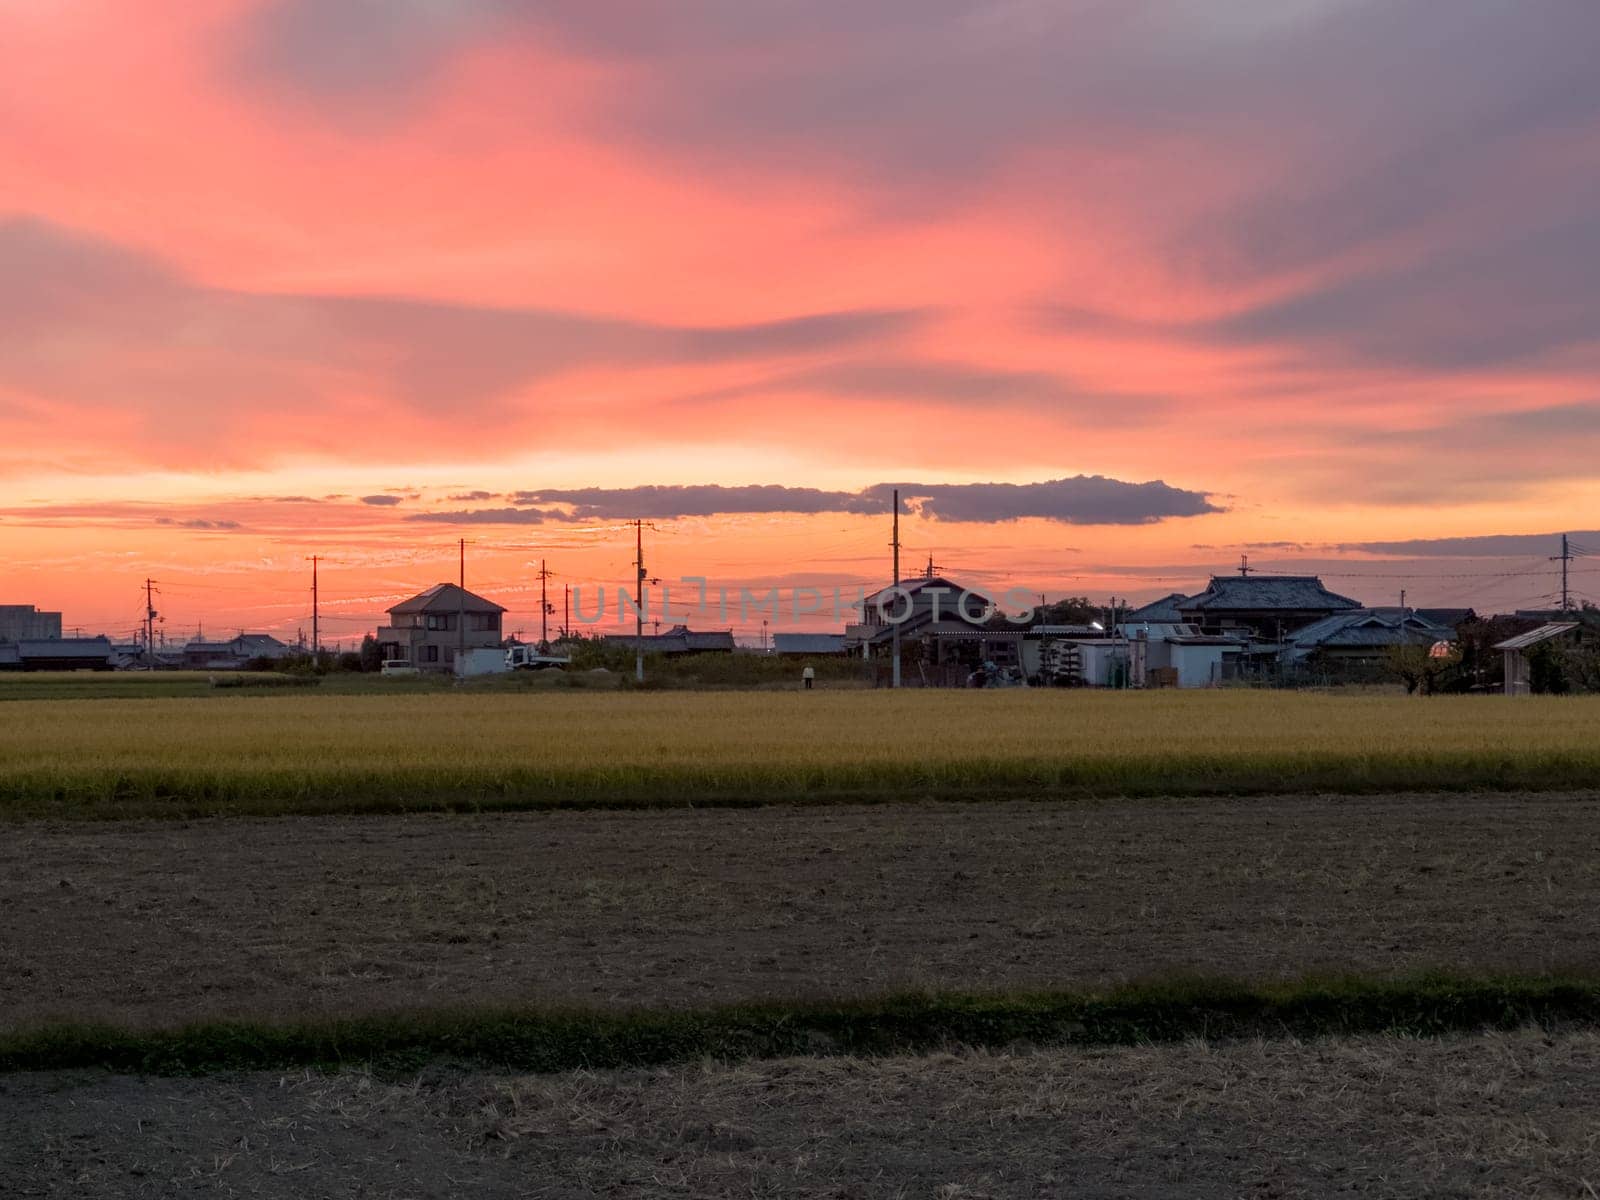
1368, 627
1265, 593
446, 598
1164, 610
680, 639
921, 583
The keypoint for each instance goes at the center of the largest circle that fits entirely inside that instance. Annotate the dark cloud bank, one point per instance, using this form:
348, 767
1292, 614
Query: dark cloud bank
1078, 500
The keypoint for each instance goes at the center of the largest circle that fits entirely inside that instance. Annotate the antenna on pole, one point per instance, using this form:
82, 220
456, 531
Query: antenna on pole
895, 670
1244, 564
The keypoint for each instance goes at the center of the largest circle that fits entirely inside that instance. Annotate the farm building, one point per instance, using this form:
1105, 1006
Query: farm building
1364, 636
1519, 651
680, 639
58, 654
428, 628
808, 643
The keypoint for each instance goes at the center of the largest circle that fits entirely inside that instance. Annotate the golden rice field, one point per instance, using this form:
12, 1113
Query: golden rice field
309, 752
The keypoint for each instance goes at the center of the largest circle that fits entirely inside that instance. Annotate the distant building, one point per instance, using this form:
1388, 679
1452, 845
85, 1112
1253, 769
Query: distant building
808, 643
1264, 607
427, 629
234, 654
1518, 669
25, 623
1158, 612
58, 654
1363, 637
679, 639
1169, 654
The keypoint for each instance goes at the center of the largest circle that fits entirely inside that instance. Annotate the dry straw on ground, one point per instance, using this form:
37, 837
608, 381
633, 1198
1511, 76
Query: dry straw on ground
1472, 1117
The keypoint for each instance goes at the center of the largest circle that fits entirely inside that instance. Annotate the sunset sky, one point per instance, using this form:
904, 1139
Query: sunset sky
1115, 291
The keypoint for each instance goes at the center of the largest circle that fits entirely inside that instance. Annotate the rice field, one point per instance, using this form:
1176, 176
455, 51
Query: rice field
298, 752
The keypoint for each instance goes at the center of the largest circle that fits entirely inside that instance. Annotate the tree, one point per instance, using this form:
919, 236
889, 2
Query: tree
1547, 669
1070, 610
1419, 668
371, 654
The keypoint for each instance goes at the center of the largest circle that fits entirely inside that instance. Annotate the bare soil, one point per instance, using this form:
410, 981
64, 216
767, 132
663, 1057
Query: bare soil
1482, 1116
156, 923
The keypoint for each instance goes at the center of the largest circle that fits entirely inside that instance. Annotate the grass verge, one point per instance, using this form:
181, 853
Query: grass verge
567, 1039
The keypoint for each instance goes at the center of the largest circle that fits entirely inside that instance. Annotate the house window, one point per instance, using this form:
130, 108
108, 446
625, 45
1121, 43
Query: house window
484, 622
430, 654
441, 621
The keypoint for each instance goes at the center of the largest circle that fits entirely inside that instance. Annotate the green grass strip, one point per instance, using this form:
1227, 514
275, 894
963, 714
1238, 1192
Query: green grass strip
564, 1039
157, 793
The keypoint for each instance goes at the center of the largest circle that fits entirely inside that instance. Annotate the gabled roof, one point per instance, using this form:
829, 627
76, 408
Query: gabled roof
680, 639
1447, 616
1266, 593
1534, 636
708, 639
258, 642
446, 598
1369, 627
1164, 610
923, 583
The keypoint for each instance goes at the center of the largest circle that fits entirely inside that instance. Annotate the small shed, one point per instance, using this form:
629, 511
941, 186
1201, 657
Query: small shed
1518, 677
808, 643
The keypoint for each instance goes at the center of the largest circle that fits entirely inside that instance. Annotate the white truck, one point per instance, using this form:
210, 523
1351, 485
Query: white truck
529, 658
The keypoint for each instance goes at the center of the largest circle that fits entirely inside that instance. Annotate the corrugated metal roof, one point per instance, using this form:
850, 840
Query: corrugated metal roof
1534, 636
1243, 593
808, 643
98, 647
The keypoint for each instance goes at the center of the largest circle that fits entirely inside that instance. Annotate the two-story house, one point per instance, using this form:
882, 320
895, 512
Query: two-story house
428, 628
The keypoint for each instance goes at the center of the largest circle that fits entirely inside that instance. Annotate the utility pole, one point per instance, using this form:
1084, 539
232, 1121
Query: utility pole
895, 670
149, 622
544, 610
638, 598
566, 614
1565, 559
316, 628
461, 609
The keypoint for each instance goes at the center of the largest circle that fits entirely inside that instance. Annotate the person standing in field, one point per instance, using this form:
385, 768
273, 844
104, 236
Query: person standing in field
808, 677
